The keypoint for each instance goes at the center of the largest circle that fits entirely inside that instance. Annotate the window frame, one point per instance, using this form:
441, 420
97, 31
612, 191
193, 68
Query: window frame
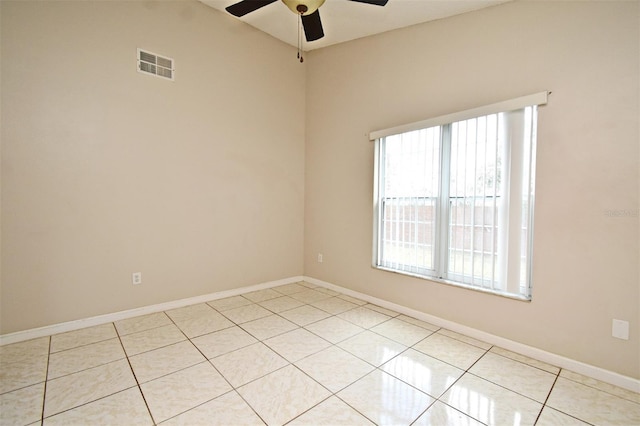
442, 225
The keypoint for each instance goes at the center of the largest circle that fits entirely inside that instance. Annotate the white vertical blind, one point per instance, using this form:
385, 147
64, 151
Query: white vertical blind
454, 201
407, 197
474, 192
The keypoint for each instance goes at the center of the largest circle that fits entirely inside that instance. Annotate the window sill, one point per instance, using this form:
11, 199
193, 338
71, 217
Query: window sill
457, 284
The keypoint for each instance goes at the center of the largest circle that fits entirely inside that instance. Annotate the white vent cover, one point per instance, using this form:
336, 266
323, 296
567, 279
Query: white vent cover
150, 63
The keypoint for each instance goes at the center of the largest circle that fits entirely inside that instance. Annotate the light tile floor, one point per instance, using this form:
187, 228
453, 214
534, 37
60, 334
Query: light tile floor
295, 354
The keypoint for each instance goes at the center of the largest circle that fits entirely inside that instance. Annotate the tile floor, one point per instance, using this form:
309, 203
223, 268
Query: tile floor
295, 354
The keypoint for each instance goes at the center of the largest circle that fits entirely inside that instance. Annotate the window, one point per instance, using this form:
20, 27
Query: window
454, 197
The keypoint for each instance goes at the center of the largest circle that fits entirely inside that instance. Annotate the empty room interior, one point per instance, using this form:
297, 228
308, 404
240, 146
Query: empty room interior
252, 239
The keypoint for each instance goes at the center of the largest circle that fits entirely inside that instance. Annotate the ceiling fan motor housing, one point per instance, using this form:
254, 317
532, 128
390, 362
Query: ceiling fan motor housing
303, 7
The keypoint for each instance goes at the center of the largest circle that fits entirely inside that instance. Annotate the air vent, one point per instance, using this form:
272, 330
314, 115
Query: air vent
150, 63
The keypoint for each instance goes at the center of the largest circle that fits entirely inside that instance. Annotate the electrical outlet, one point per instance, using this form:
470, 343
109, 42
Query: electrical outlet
136, 278
319, 257
620, 329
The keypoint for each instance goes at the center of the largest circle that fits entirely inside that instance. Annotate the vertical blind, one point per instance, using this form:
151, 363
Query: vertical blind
454, 200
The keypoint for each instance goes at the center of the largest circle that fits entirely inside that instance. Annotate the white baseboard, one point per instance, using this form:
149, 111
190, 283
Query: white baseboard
607, 376
33, 333
597, 373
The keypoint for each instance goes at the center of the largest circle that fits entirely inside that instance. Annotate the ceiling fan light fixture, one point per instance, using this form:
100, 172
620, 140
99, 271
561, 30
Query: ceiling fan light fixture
297, 6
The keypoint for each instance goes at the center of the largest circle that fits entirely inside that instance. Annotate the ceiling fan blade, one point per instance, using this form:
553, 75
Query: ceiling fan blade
376, 2
312, 26
247, 6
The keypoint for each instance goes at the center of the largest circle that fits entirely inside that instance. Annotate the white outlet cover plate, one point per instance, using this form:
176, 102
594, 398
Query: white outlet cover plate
136, 278
620, 329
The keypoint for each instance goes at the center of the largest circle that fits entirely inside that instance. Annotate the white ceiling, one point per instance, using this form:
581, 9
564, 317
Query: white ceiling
345, 20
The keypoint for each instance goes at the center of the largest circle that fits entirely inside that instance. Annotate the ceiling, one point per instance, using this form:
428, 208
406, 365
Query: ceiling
348, 20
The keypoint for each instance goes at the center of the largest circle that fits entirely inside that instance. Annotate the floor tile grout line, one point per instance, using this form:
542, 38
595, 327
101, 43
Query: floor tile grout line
345, 386
460, 340
275, 335
90, 402
453, 408
82, 346
258, 340
331, 393
93, 366
290, 331
86, 369
204, 334
21, 386
155, 348
146, 329
375, 368
228, 352
466, 371
256, 378
159, 347
401, 343
409, 322
233, 388
435, 399
354, 408
289, 363
228, 308
505, 388
135, 377
313, 306
318, 383
335, 394
441, 360
544, 404
46, 380
525, 363
600, 389
337, 342
425, 410
175, 371
25, 385
313, 322
187, 339
556, 409
52, 352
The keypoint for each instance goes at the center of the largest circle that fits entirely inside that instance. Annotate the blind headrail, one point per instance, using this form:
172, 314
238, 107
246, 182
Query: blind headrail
504, 106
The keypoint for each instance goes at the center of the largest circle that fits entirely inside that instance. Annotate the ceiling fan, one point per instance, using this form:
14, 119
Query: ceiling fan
306, 9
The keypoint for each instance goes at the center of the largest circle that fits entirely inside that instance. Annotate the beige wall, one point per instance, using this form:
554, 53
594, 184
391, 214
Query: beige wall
196, 183
585, 263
